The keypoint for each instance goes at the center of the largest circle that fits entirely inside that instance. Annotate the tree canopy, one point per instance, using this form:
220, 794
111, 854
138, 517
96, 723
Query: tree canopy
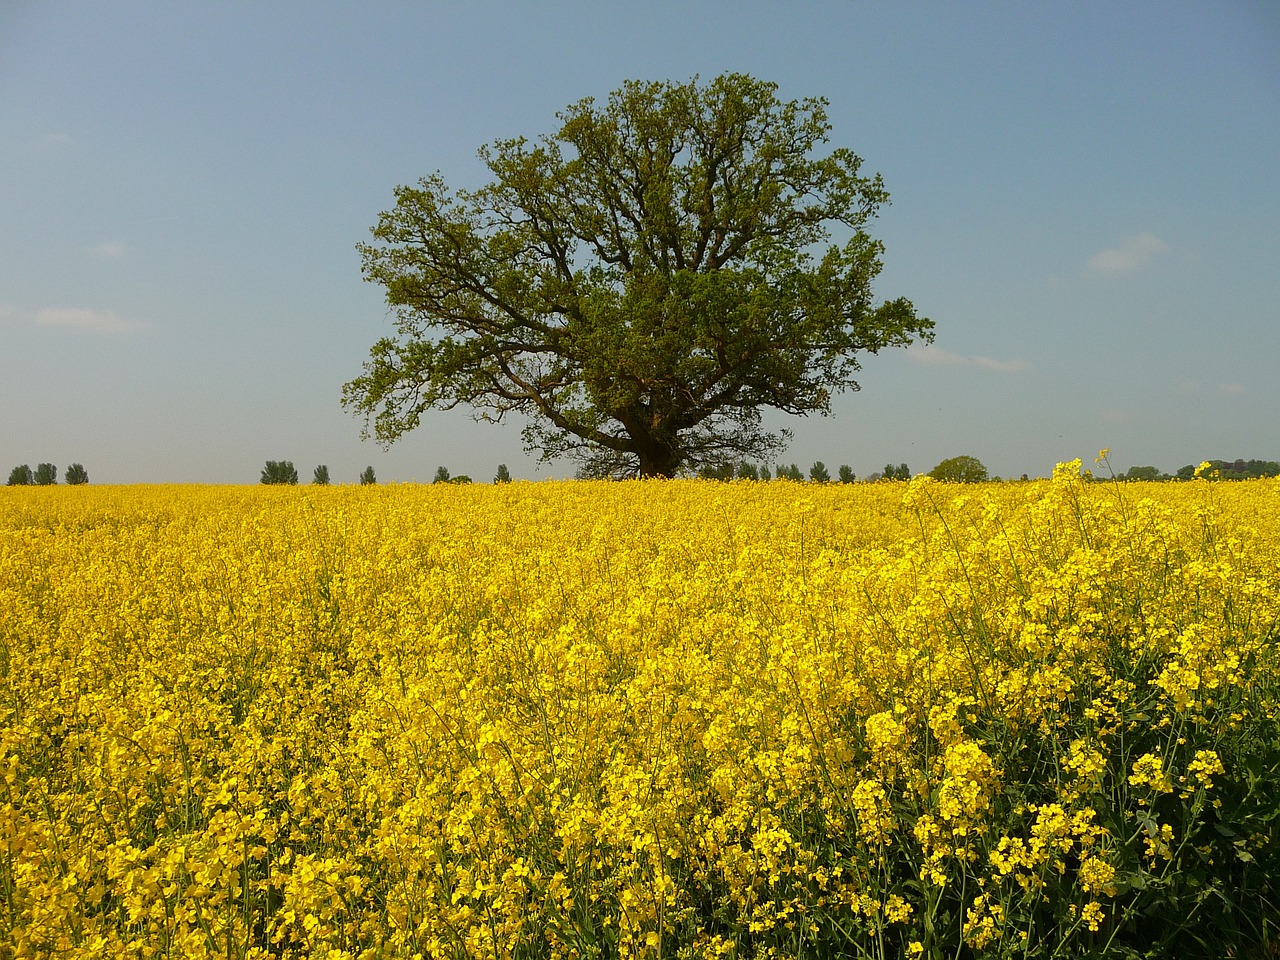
279, 471
639, 283
964, 469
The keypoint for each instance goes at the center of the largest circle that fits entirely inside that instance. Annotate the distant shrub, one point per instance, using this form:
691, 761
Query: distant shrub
279, 471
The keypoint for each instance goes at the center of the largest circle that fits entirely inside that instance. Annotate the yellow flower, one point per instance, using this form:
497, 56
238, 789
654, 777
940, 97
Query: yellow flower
1148, 770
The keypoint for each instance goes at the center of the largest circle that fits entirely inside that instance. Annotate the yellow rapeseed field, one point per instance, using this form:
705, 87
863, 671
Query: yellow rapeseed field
640, 720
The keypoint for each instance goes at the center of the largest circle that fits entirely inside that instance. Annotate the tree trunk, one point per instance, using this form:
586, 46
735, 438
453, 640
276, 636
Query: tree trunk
657, 460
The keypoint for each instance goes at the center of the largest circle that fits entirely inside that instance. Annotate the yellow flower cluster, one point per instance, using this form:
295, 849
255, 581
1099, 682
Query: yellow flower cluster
575, 720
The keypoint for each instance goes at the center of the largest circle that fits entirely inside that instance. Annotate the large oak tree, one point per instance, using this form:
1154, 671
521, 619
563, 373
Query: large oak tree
640, 283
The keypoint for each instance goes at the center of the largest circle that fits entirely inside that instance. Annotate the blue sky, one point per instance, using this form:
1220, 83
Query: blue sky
1084, 200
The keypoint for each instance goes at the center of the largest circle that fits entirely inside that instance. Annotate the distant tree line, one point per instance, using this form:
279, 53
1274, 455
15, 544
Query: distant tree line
284, 472
46, 474
962, 469
1217, 470
956, 469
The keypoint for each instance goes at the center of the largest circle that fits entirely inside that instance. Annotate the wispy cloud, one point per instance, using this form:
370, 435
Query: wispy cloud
936, 356
92, 321
55, 141
109, 250
1128, 257
1196, 388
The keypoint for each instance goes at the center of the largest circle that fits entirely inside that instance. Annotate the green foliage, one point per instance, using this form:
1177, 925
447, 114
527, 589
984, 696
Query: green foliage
46, 475
716, 471
279, 471
818, 473
77, 474
1144, 473
503, 475
640, 282
368, 477
748, 471
792, 472
1244, 469
900, 472
764, 472
21, 476
846, 473
963, 469
320, 476
442, 475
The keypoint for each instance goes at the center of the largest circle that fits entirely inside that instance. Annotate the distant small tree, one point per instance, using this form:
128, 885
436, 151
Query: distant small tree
1145, 473
764, 472
846, 474
77, 474
791, 472
503, 475
279, 471
819, 473
900, 472
320, 476
962, 469
442, 475
748, 471
460, 478
716, 471
21, 476
46, 475
368, 476
1188, 472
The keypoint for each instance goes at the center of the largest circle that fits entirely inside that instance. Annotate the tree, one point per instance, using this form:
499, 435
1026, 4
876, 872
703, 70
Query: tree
819, 473
320, 476
503, 475
960, 470
846, 473
46, 475
279, 471
900, 472
764, 471
442, 475
1144, 473
21, 476
77, 474
640, 283
748, 471
368, 477
716, 471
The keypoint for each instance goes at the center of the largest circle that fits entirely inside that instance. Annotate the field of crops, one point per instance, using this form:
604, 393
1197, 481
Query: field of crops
646, 719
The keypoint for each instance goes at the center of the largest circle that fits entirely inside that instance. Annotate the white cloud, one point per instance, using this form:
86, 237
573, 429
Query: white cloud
109, 250
936, 356
1131, 255
78, 318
